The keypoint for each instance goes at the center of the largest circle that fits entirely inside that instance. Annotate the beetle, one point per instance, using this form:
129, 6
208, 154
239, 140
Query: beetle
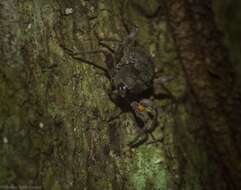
131, 73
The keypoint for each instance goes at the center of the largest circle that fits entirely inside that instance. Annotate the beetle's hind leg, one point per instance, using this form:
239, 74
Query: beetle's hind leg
138, 140
115, 115
142, 138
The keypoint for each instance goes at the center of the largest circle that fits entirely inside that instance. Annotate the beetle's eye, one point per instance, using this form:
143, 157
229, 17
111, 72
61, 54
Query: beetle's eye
122, 87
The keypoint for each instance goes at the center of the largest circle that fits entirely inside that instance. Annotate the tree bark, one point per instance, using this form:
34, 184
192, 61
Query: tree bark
54, 109
213, 97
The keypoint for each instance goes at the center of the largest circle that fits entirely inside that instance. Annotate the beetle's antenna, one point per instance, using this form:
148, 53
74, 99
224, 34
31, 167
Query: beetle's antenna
131, 36
75, 56
128, 40
122, 11
106, 46
100, 41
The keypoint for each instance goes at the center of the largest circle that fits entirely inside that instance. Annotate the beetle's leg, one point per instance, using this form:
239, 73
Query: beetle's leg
115, 115
126, 24
160, 91
123, 20
160, 139
130, 39
152, 136
155, 141
142, 136
138, 140
118, 103
103, 44
145, 116
75, 55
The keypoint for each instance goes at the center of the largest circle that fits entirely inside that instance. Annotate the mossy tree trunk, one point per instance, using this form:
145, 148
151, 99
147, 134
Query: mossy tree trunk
54, 109
209, 143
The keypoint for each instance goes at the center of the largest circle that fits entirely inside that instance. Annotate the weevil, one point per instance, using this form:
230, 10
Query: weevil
131, 72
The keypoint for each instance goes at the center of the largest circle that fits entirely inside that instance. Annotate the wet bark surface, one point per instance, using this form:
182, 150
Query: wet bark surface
54, 109
213, 95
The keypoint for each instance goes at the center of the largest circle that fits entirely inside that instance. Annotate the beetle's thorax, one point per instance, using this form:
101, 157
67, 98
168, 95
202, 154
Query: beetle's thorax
133, 73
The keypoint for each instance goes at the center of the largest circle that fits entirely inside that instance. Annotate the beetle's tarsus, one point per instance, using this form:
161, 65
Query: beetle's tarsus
115, 116
139, 140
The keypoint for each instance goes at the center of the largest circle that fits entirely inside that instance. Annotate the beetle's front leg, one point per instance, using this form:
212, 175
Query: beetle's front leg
141, 136
113, 96
160, 91
145, 118
140, 139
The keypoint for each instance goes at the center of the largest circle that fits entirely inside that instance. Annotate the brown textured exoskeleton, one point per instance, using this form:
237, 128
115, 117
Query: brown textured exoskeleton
131, 73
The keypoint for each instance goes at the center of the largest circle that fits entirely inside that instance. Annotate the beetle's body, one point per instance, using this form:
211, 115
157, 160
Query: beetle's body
131, 69
131, 73
135, 71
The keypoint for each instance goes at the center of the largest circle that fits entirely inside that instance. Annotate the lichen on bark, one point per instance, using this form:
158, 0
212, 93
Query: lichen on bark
54, 109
